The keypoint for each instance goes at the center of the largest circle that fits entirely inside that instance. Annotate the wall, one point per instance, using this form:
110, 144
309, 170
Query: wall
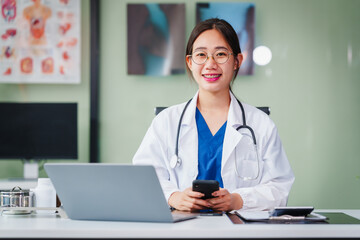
79, 93
312, 86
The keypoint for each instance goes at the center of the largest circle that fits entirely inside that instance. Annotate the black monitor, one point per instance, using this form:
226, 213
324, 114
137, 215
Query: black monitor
38, 131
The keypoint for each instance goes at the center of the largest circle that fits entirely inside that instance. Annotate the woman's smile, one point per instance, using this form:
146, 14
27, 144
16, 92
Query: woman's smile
211, 77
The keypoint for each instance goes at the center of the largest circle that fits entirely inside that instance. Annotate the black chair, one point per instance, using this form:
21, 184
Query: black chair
264, 109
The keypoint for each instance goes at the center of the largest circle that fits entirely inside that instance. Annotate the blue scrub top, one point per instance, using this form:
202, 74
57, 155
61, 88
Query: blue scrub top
210, 150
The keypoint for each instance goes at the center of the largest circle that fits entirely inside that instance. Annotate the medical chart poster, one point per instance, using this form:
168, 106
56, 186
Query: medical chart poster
156, 39
40, 41
241, 16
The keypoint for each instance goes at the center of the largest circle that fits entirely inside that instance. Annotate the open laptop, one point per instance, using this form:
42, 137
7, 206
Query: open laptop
111, 192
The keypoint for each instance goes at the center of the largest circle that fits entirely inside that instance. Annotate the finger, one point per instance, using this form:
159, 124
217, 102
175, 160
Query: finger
215, 201
197, 201
194, 194
221, 192
192, 206
187, 206
220, 207
203, 203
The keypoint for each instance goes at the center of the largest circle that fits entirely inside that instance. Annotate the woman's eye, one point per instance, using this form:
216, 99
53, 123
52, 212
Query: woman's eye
221, 54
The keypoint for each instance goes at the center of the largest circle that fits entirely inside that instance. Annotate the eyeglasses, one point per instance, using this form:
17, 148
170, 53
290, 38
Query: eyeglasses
220, 56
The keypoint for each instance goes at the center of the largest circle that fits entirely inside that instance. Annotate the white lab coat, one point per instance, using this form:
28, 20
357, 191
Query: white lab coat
272, 187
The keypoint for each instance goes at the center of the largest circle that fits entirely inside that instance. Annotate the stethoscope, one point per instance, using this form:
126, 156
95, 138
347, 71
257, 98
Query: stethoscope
176, 161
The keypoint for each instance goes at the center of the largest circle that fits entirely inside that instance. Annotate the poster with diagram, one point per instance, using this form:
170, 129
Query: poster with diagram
40, 41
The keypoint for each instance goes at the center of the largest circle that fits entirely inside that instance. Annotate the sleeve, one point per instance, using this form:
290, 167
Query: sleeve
276, 180
153, 151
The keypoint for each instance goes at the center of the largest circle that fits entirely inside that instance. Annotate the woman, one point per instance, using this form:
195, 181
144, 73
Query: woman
212, 144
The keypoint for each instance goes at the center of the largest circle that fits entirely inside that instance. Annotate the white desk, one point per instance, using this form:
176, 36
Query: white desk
8, 184
51, 226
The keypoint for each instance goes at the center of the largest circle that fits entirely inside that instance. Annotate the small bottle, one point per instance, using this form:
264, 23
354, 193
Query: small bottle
45, 195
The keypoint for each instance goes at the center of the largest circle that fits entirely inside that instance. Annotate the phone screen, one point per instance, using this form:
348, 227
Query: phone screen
207, 187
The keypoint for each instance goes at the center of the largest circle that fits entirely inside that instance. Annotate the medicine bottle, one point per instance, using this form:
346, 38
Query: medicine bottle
45, 195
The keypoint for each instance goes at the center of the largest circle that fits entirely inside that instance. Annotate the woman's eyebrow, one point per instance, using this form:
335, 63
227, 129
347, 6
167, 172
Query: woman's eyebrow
200, 48
221, 47
217, 48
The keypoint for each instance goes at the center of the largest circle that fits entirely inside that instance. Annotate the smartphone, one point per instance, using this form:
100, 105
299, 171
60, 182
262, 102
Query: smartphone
207, 187
209, 212
293, 211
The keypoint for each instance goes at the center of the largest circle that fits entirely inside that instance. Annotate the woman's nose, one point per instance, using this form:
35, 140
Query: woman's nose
211, 63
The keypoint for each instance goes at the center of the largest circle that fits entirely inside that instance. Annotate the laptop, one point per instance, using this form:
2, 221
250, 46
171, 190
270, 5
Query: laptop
111, 192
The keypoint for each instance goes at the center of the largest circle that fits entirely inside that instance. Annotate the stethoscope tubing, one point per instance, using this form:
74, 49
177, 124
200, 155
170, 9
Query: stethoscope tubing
177, 161
178, 129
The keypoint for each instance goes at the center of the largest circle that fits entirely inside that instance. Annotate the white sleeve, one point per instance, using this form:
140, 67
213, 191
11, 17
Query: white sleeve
276, 181
153, 151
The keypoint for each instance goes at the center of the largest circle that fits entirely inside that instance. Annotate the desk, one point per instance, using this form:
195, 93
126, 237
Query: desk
8, 184
52, 226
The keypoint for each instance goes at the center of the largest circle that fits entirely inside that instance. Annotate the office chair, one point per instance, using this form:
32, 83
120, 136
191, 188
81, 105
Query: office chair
264, 109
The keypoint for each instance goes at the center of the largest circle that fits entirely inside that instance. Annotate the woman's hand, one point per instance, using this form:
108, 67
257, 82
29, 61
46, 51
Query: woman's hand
188, 200
225, 201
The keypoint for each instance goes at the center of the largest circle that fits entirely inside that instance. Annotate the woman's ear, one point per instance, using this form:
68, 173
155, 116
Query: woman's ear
238, 60
189, 62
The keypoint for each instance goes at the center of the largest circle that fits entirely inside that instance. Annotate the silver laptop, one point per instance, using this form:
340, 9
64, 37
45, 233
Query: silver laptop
111, 192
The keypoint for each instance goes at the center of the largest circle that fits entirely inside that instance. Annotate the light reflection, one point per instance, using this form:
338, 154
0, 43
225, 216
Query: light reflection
349, 54
262, 55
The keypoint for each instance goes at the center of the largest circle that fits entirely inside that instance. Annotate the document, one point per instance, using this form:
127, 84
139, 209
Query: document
254, 215
266, 215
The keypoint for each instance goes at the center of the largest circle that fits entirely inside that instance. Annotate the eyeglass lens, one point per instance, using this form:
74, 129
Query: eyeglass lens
220, 56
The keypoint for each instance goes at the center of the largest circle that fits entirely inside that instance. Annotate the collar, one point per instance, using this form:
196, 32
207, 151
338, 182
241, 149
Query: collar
234, 115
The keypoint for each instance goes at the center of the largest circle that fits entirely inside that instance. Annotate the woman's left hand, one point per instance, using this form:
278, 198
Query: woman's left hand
225, 201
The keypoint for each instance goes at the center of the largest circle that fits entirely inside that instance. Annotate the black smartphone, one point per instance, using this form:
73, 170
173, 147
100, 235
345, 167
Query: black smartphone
207, 187
292, 211
209, 212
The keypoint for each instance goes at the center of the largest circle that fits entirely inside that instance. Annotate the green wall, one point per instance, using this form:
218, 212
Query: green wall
311, 87
79, 93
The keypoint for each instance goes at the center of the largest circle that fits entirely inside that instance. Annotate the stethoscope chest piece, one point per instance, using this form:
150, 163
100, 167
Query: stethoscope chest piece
175, 161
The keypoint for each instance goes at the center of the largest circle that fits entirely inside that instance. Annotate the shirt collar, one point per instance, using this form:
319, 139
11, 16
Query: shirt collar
234, 116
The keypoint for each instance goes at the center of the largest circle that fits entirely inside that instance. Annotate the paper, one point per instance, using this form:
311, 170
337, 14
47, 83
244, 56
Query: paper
265, 215
254, 215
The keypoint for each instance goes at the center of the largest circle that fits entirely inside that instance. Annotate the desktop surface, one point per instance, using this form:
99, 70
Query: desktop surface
52, 226
23, 183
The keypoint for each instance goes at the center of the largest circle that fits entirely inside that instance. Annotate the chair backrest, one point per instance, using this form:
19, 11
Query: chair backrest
264, 109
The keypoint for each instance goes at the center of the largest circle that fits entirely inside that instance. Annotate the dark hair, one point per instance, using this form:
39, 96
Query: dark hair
224, 28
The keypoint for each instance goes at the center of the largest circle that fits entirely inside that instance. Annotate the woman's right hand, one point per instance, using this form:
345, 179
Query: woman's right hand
188, 200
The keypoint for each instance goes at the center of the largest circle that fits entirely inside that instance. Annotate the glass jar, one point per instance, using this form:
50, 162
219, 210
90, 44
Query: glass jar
17, 197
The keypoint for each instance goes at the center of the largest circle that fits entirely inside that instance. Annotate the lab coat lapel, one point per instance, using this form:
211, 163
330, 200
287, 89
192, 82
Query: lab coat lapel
188, 121
232, 137
188, 140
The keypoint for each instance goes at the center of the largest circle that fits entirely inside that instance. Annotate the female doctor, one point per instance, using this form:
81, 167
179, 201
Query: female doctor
216, 137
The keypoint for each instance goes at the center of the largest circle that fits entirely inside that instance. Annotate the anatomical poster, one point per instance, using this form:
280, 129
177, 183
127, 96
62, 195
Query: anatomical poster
241, 15
40, 41
156, 39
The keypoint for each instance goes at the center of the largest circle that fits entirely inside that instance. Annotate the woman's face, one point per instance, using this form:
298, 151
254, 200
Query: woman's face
212, 76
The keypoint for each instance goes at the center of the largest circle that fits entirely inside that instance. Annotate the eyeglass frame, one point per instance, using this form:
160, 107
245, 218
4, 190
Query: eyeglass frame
207, 56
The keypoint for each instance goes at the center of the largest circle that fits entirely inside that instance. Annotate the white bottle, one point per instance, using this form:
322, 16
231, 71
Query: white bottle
45, 195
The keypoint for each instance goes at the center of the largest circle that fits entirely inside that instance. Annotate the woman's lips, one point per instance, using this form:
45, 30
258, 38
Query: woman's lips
211, 77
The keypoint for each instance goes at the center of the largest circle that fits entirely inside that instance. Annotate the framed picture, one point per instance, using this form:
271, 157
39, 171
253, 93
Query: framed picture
241, 16
40, 41
156, 39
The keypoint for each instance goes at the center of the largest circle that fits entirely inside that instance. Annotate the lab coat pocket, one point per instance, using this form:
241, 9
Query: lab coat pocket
248, 164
